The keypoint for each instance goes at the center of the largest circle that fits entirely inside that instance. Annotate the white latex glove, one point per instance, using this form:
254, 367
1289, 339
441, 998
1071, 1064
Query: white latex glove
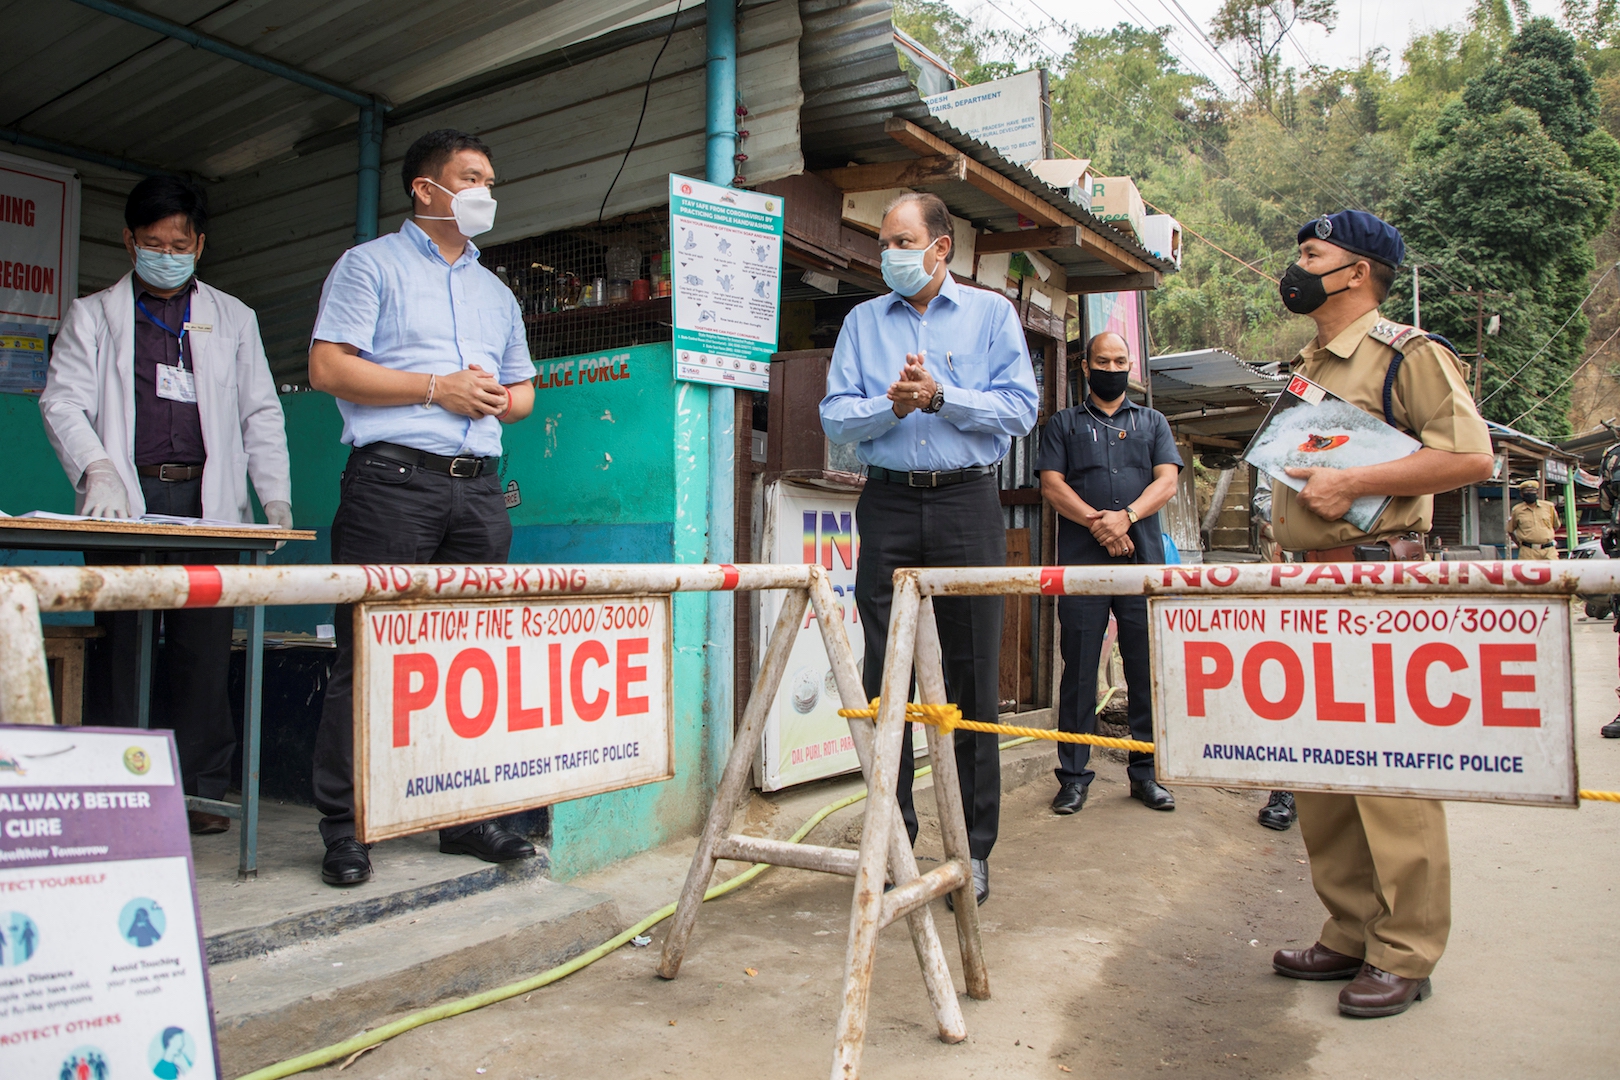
104, 495
279, 514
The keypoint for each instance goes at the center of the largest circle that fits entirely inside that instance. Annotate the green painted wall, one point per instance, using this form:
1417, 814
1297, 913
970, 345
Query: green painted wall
33, 478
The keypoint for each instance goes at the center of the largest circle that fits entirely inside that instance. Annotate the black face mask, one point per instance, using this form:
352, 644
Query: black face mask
1302, 291
1529, 500
1108, 385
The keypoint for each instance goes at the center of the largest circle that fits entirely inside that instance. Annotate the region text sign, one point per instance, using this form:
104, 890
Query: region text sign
1449, 697
473, 709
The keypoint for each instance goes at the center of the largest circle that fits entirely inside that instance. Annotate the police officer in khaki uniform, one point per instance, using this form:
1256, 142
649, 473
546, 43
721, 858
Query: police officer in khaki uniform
1534, 524
1381, 866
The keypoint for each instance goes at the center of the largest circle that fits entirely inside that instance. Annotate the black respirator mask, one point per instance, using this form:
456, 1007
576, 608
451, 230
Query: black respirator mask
1302, 291
1108, 385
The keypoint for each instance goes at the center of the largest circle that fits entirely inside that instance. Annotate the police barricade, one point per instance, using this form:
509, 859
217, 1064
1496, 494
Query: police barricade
552, 651
1439, 680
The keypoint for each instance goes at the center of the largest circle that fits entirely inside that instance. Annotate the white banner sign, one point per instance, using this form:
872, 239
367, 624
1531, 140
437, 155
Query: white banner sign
469, 710
39, 241
1456, 697
1005, 113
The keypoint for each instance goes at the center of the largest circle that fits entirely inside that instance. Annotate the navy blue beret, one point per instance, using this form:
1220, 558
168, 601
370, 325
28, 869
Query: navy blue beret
1357, 232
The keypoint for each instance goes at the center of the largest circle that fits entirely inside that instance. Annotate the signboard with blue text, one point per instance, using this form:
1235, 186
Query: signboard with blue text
102, 968
726, 276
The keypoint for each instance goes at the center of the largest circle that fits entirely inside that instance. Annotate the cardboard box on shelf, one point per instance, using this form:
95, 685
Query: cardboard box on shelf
1115, 201
1161, 234
1072, 176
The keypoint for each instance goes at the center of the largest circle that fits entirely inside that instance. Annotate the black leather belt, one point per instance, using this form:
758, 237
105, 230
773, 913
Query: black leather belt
928, 479
462, 467
170, 473
1541, 547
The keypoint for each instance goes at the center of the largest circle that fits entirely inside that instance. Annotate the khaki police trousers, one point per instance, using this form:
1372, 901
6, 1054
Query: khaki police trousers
1527, 552
1382, 868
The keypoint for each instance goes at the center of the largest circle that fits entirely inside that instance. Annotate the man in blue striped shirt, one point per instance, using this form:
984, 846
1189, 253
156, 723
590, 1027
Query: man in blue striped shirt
425, 351
933, 381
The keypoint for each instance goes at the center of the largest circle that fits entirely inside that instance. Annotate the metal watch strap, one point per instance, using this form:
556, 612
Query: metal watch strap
937, 402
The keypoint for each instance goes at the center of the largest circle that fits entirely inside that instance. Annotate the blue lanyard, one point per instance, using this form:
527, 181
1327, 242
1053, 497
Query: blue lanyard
179, 335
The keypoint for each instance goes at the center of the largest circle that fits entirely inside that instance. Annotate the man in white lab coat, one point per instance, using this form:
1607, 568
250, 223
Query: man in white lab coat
159, 400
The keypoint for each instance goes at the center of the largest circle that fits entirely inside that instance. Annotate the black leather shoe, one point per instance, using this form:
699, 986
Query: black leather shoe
1152, 795
1069, 799
489, 842
981, 883
1611, 730
1279, 813
347, 862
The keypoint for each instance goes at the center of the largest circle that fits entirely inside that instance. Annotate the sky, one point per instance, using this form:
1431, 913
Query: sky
1362, 25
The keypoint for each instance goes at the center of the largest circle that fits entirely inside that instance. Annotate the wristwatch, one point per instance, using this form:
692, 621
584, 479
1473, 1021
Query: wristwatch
1131, 513
937, 402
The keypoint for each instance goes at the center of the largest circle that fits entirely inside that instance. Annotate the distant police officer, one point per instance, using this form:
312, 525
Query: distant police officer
1535, 524
1107, 465
1381, 866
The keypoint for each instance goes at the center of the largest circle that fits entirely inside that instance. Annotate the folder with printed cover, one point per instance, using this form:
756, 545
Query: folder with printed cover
1308, 427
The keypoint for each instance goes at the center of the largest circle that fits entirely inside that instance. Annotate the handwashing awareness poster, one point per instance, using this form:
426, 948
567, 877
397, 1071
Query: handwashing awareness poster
726, 279
102, 970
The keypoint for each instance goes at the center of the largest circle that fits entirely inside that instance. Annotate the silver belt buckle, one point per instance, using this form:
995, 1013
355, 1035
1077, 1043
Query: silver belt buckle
470, 464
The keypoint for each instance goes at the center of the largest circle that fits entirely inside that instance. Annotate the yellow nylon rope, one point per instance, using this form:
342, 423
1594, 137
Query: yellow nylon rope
949, 717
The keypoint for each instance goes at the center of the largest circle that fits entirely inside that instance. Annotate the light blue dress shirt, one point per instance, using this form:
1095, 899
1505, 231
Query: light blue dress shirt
974, 348
398, 302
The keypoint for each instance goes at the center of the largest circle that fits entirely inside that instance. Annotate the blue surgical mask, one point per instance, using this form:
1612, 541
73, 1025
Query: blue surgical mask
162, 270
903, 270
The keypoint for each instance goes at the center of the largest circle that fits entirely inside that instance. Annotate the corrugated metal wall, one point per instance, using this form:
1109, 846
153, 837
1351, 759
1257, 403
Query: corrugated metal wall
557, 140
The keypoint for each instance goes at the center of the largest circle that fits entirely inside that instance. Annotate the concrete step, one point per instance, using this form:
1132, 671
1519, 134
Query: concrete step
324, 990
287, 904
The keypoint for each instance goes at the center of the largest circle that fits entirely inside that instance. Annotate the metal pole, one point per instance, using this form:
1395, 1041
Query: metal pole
1417, 310
1570, 537
21, 138
369, 177
226, 49
25, 683
720, 167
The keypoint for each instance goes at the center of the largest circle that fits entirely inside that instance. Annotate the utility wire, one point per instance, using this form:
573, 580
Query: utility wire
1544, 346
646, 95
1548, 395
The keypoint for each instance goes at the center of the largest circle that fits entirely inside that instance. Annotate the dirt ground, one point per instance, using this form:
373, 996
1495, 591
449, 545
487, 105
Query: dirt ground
1121, 943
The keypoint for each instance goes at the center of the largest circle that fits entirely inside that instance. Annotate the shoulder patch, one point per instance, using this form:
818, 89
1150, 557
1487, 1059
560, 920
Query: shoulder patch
1392, 334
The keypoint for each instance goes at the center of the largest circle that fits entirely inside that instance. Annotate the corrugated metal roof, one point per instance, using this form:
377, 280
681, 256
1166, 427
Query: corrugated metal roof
94, 80
1212, 391
853, 84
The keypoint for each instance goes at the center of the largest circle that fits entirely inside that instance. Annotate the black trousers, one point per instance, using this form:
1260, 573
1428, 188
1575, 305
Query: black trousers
193, 669
394, 513
959, 525
1084, 622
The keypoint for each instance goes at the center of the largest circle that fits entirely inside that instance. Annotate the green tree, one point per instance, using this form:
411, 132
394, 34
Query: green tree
1506, 192
1260, 27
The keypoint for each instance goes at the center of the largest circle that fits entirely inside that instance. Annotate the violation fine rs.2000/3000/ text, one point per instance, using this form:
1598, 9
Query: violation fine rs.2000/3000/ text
1466, 696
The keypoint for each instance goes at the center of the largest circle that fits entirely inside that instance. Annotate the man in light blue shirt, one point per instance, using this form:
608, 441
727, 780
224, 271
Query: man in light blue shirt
425, 351
933, 381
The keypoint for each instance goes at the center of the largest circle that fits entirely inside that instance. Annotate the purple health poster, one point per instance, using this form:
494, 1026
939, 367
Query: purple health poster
102, 968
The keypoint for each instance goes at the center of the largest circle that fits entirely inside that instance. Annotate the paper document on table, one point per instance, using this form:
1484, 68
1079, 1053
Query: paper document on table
152, 519
1308, 427
207, 523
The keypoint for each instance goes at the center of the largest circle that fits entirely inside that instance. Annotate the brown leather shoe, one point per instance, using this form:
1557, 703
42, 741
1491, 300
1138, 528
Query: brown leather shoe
1376, 992
207, 824
1317, 963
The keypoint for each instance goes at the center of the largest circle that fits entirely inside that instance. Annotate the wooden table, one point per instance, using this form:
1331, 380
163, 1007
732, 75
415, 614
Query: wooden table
145, 540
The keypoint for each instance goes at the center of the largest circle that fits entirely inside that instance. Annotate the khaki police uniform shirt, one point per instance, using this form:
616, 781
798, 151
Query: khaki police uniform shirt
1431, 401
1535, 524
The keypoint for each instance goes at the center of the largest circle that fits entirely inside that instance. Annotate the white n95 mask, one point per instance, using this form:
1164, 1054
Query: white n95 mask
472, 209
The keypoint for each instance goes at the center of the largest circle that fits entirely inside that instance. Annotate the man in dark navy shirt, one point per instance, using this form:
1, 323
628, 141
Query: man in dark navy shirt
1107, 466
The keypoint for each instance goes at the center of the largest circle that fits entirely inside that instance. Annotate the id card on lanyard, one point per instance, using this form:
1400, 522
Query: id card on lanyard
174, 382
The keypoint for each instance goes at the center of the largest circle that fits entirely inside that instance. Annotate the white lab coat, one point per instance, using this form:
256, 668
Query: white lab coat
89, 399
